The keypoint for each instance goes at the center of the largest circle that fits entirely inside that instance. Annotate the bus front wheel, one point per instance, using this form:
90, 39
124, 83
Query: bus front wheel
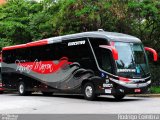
89, 91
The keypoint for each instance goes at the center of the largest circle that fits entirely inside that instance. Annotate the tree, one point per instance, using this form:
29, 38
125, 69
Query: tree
13, 21
40, 23
23, 21
146, 21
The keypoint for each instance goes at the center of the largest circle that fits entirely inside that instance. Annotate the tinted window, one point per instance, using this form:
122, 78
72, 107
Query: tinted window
103, 56
76, 52
10, 56
30, 54
105, 60
80, 53
45, 53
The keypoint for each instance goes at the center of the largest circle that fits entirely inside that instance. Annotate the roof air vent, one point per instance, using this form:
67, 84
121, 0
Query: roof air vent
100, 30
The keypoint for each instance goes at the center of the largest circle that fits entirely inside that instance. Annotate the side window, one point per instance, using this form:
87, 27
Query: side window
21, 54
5, 56
105, 60
9, 56
103, 56
48, 52
37, 53
95, 42
78, 50
40, 53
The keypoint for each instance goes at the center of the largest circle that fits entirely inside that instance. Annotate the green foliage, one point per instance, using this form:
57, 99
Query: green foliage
23, 21
155, 90
155, 70
145, 17
13, 21
40, 24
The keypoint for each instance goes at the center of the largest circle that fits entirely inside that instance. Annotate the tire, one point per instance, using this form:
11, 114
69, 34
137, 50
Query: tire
119, 97
47, 93
22, 89
89, 91
1, 92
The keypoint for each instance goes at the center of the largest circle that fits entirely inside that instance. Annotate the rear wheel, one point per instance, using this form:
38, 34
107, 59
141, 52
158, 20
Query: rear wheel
119, 97
22, 89
47, 93
89, 91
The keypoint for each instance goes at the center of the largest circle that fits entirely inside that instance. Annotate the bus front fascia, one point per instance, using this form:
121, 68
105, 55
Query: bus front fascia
121, 81
127, 82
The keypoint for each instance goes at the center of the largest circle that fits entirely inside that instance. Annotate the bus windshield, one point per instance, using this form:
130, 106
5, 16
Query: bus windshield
132, 61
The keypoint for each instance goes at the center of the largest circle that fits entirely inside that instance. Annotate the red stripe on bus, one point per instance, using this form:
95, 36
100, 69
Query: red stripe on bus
124, 79
36, 43
14, 47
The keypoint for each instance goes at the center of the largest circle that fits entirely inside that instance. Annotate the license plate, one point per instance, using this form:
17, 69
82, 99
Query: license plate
137, 90
107, 90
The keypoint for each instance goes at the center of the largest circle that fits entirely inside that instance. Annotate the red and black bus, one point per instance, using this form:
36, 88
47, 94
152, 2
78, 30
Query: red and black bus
88, 63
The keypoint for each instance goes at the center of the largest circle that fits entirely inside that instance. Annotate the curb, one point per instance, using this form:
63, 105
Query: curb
144, 95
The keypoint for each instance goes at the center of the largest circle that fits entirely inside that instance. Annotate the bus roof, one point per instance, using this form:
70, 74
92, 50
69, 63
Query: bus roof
110, 36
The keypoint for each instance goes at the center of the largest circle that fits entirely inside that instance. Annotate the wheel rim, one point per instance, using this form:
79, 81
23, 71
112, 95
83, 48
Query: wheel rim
89, 91
21, 88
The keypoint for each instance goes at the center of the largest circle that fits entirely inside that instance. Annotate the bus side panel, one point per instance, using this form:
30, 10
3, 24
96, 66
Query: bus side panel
11, 79
59, 66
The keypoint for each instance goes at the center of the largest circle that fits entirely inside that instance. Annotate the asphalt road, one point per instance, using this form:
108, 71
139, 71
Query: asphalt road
74, 104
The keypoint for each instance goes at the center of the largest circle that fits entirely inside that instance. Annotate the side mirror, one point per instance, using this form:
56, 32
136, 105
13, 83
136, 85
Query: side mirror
112, 49
155, 54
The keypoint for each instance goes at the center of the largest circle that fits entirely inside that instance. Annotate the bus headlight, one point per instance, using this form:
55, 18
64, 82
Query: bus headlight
149, 82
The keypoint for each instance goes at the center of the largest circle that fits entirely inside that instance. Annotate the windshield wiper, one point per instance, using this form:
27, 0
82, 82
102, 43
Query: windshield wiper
144, 73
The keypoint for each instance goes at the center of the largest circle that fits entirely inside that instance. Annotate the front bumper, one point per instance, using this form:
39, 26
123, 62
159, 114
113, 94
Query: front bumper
132, 85
124, 90
119, 87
